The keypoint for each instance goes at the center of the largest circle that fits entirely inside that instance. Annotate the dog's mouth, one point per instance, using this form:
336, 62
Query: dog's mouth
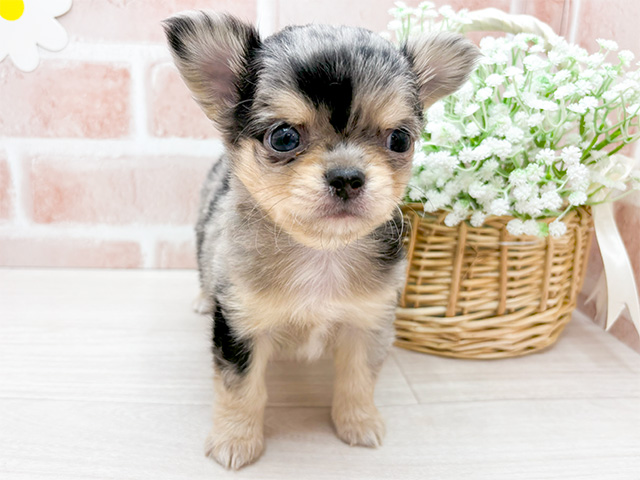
344, 211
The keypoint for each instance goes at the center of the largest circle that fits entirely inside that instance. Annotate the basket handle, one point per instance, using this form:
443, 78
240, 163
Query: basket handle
494, 20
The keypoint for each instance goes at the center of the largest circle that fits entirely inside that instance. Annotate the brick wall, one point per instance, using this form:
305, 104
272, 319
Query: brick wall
102, 150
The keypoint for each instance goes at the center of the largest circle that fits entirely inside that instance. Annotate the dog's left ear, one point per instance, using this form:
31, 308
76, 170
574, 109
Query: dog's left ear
212, 54
442, 63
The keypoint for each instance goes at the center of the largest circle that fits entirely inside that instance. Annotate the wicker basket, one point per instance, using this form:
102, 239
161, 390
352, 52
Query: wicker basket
483, 293
480, 292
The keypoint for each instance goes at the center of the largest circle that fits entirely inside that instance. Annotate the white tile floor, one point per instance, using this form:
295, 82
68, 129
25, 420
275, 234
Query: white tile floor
106, 375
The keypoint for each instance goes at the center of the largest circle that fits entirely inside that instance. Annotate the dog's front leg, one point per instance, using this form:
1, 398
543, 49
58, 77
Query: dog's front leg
237, 436
358, 357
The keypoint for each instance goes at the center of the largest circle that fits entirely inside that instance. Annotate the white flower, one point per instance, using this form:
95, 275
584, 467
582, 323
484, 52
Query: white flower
579, 176
523, 191
535, 120
471, 109
583, 87
561, 76
478, 190
394, 24
551, 200
571, 155
626, 57
435, 200
578, 198
494, 80
513, 71
414, 193
488, 169
25, 24
557, 228
585, 104
441, 159
534, 172
518, 177
607, 44
436, 112
516, 227
564, 91
481, 152
531, 227
633, 109
472, 130
535, 63
477, 219
514, 135
595, 60
499, 207
500, 148
546, 156
484, 93
453, 219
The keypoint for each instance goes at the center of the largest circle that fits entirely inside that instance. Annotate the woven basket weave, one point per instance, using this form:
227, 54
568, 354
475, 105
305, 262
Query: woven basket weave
483, 293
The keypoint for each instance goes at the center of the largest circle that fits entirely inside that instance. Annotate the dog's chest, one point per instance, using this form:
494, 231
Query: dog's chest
316, 274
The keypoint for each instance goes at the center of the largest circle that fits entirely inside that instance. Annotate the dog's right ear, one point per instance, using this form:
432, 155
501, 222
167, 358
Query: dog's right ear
211, 52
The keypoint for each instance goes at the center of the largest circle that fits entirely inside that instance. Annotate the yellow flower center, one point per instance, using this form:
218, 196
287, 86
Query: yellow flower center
11, 9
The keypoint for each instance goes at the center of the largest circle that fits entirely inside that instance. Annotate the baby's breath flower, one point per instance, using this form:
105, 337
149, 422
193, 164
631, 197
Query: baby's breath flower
534, 172
578, 198
551, 200
514, 135
516, 227
564, 91
557, 228
535, 63
494, 80
518, 177
607, 44
484, 93
472, 130
579, 176
471, 109
436, 112
546, 156
626, 57
488, 169
531, 227
477, 219
561, 76
529, 134
512, 71
435, 200
571, 155
499, 207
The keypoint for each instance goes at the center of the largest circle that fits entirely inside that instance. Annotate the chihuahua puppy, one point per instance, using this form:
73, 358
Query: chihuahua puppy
300, 235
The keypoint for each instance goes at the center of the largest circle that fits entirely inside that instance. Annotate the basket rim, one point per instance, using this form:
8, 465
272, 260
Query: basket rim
418, 208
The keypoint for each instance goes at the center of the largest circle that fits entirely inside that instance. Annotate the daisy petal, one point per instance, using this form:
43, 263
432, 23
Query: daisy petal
25, 56
53, 8
52, 35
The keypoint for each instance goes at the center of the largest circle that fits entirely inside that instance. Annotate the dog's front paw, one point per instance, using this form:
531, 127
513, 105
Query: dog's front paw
358, 426
234, 451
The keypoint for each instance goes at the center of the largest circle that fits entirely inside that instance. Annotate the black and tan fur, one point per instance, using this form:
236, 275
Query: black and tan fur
290, 263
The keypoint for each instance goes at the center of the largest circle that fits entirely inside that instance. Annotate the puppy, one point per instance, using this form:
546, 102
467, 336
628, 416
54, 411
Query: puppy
300, 235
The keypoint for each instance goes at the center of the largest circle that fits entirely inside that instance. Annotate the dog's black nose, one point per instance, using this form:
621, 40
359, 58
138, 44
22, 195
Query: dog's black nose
346, 183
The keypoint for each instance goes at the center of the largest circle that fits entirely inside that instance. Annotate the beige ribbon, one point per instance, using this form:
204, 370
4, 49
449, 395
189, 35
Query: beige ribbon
617, 274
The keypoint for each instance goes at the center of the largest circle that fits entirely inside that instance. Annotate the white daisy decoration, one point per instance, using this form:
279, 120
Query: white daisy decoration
25, 24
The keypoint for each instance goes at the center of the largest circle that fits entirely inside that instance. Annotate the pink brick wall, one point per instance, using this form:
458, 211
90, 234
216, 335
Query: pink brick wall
102, 150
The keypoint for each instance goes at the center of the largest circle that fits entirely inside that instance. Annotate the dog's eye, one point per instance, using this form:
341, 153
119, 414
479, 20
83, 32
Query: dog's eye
284, 138
399, 141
